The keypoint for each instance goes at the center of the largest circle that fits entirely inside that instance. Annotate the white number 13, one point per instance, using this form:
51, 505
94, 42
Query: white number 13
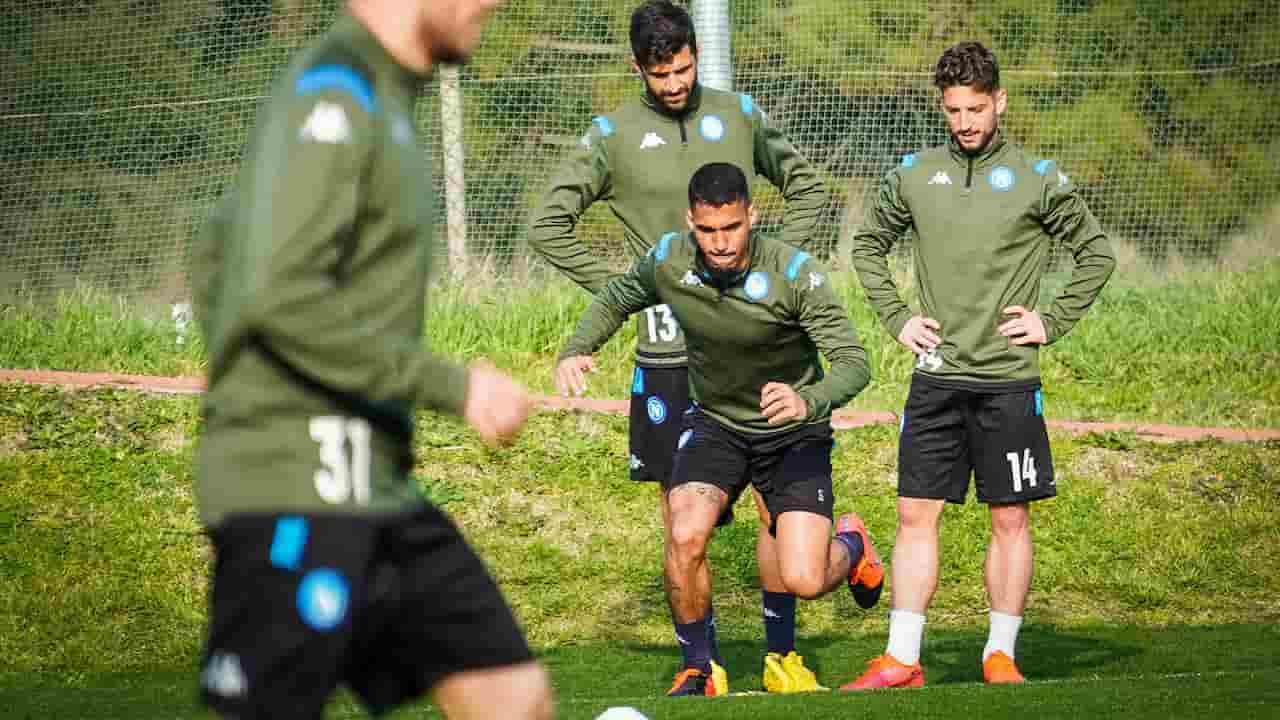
662, 324
344, 453
1027, 471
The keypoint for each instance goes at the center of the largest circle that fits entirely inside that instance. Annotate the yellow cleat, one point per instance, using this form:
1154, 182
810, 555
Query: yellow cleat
787, 674
719, 679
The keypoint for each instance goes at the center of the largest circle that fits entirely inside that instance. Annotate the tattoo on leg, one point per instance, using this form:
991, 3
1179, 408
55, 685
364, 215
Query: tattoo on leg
704, 492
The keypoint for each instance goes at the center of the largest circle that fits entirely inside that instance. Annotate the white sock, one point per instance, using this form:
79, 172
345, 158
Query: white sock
1003, 635
906, 629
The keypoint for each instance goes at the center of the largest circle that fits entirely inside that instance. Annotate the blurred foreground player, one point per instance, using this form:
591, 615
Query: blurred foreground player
331, 568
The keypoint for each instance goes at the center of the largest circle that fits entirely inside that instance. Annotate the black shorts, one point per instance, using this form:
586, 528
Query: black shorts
791, 469
659, 399
301, 604
998, 435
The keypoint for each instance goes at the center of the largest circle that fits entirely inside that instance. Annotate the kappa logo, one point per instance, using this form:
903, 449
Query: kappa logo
772, 614
327, 123
816, 280
822, 497
635, 462
691, 279
652, 140
940, 178
224, 677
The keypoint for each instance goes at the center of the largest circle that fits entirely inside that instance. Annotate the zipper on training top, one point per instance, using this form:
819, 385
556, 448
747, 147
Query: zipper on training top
968, 179
684, 137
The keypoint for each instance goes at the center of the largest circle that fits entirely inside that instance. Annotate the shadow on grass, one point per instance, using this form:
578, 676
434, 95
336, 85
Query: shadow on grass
588, 677
1045, 652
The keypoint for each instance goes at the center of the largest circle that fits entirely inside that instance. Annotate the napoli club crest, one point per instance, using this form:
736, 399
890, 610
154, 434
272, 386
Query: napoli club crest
757, 286
712, 128
657, 409
1001, 178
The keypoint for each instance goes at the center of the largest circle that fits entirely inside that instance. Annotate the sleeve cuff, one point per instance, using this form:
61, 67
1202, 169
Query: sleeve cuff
445, 388
1052, 331
896, 322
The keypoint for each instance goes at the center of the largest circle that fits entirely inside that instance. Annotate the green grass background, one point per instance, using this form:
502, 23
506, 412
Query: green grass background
1157, 573
1173, 344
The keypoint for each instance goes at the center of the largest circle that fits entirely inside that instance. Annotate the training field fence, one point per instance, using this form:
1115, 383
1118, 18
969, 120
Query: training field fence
122, 121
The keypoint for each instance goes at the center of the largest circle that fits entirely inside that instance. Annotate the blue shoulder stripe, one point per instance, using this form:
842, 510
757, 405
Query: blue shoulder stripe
908, 160
337, 77
663, 248
602, 122
1042, 167
797, 260
747, 103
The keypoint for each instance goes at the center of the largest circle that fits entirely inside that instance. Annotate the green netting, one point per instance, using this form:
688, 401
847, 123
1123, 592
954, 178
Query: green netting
121, 121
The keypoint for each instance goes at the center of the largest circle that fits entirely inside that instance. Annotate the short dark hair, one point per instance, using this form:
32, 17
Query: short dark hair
659, 30
718, 184
968, 63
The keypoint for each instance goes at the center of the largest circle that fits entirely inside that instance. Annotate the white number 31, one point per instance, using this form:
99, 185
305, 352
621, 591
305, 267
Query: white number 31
1027, 470
344, 453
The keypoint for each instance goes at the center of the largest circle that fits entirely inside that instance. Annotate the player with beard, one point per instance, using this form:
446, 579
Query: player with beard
330, 566
985, 213
638, 159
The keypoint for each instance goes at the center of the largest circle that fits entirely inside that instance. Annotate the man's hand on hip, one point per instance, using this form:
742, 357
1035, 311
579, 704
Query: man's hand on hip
1026, 328
920, 335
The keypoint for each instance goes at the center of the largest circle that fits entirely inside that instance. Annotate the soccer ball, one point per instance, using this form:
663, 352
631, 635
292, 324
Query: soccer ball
621, 713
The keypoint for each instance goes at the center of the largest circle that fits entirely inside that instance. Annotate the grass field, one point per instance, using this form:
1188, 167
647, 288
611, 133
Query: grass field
1145, 352
1115, 674
1157, 592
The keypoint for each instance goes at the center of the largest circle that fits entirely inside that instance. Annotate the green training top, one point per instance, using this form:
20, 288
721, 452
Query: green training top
766, 324
639, 159
983, 226
310, 284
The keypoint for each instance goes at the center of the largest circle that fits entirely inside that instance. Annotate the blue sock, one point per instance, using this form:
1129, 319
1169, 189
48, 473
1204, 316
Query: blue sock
853, 542
779, 621
695, 643
711, 636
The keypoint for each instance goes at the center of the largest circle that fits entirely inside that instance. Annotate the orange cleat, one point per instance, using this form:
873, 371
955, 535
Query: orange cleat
886, 672
999, 669
866, 577
692, 681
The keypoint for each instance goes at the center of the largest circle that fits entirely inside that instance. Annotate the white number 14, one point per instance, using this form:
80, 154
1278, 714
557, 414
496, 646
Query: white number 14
1027, 471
